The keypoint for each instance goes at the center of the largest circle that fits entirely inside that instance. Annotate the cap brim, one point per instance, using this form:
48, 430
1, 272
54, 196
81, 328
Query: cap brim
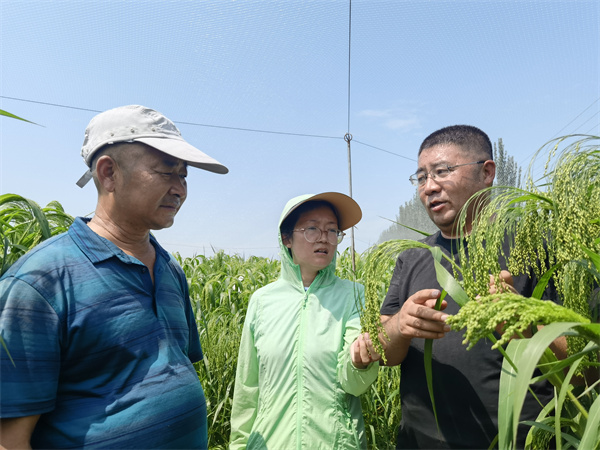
348, 211
186, 152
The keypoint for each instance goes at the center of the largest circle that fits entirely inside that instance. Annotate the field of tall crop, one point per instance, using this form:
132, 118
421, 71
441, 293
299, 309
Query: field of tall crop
220, 288
555, 221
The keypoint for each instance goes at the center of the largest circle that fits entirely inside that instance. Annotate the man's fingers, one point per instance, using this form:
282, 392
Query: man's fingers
434, 325
431, 304
503, 284
506, 277
428, 314
426, 334
424, 295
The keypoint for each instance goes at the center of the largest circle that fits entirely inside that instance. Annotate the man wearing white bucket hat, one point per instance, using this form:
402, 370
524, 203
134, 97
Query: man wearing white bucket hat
98, 320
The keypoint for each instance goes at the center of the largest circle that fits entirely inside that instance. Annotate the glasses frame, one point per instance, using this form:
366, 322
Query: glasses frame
414, 178
340, 235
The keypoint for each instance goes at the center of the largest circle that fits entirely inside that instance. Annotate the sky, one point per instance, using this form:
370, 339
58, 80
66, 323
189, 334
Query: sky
270, 88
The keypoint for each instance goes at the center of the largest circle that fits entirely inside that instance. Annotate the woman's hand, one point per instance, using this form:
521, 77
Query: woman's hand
362, 352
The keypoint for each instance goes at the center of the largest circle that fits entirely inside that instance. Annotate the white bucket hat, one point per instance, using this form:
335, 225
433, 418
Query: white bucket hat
135, 123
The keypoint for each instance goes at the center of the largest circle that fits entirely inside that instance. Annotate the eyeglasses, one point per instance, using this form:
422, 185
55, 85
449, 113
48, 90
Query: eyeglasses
441, 172
313, 234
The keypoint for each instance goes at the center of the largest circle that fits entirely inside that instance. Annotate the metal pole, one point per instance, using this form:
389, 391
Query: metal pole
348, 138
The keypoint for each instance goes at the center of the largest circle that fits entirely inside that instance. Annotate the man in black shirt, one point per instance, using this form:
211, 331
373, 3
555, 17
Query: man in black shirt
454, 163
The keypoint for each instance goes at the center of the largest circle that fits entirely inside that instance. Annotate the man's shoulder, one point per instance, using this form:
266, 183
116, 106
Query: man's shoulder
418, 252
53, 252
432, 239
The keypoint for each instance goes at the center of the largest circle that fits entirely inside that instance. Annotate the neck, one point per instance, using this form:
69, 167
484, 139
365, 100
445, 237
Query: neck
308, 278
453, 233
133, 242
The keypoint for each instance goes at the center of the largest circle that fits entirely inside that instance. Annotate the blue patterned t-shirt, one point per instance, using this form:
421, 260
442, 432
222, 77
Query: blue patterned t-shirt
103, 354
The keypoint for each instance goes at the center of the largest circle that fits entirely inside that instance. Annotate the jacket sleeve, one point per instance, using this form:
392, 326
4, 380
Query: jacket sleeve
245, 394
354, 381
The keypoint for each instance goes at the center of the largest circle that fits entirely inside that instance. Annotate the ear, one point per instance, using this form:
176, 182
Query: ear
286, 241
489, 172
106, 168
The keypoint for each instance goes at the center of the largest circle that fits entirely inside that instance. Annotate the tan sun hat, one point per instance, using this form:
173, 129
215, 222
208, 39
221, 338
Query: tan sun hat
135, 123
348, 211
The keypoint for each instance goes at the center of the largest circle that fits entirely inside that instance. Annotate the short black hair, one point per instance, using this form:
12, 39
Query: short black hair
468, 137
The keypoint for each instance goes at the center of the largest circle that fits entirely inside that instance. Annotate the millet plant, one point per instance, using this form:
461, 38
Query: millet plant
554, 227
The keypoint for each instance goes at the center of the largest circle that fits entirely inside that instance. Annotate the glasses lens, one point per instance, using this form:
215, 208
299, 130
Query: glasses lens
312, 234
442, 172
419, 179
333, 237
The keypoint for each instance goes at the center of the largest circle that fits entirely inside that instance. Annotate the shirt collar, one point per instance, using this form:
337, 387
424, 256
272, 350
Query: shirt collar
99, 249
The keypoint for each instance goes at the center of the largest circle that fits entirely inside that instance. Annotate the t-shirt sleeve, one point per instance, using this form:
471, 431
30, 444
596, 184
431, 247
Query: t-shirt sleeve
194, 348
30, 356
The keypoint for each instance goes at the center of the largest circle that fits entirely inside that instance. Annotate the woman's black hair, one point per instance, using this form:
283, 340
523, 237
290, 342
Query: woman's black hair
289, 223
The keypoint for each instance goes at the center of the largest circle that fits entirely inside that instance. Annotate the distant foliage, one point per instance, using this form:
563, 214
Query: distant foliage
412, 214
508, 172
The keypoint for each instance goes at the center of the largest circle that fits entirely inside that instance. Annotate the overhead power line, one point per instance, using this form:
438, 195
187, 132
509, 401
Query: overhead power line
597, 112
49, 104
257, 131
56, 105
558, 133
384, 150
580, 114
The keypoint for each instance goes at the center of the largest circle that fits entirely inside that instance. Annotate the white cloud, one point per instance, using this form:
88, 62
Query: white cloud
375, 113
403, 125
394, 119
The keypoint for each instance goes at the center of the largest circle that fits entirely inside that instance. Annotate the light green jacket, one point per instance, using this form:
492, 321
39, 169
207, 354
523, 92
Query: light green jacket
296, 387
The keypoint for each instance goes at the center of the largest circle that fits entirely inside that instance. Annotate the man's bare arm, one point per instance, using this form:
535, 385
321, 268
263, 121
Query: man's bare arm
15, 433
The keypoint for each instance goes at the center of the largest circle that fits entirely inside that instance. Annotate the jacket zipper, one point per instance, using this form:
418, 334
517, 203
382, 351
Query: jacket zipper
300, 363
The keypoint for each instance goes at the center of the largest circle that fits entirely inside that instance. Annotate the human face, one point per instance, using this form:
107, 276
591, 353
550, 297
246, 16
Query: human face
312, 257
444, 198
150, 190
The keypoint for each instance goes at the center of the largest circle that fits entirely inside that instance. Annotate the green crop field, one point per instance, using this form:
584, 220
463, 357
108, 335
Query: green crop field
557, 218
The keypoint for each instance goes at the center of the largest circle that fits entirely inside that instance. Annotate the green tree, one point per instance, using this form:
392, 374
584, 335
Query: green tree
413, 215
508, 172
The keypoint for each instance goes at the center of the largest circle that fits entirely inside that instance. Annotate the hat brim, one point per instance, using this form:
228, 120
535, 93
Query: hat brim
348, 211
179, 148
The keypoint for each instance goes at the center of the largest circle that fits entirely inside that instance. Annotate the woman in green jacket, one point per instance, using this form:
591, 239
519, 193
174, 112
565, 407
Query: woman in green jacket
302, 362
